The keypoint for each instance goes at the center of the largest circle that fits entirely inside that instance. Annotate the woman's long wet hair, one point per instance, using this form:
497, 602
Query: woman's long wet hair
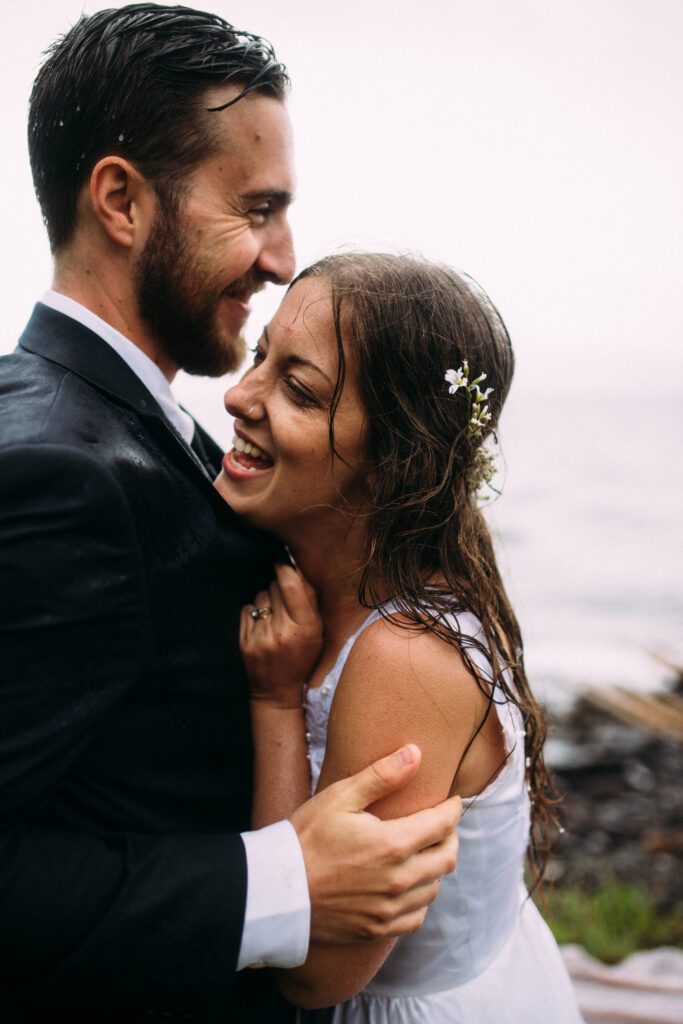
407, 321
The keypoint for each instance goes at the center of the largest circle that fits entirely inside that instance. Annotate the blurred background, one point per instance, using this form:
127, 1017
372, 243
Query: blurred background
536, 144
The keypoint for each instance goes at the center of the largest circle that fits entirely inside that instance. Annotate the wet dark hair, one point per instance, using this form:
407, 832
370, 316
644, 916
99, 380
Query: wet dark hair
406, 322
130, 81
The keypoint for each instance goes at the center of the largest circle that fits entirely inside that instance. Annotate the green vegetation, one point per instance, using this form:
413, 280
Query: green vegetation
611, 922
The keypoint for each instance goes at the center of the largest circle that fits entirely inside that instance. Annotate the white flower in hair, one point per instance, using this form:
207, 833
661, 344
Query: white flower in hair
457, 378
483, 468
480, 417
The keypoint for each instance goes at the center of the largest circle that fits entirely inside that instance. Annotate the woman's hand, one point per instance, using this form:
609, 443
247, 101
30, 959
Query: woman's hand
281, 639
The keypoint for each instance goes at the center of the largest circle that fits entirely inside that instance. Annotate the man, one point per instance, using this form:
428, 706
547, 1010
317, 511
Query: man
161, 155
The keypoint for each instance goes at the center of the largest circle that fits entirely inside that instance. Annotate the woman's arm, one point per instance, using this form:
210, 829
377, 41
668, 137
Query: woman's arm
280, 651
397, 686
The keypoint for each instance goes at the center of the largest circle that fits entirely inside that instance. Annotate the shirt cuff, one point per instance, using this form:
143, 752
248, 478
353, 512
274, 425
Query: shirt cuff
277, 919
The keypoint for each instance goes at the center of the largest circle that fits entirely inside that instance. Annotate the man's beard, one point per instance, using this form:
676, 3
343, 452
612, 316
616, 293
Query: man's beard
176, 304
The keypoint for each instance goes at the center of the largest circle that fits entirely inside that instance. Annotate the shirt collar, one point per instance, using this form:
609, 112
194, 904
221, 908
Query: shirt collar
141, 365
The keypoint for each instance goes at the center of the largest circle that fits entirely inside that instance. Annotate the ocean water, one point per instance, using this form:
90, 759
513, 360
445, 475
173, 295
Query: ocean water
589, 536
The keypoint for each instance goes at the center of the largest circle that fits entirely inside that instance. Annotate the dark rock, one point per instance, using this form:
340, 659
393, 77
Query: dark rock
622, 792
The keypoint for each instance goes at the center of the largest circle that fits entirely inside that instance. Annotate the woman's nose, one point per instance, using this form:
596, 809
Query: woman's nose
240, 404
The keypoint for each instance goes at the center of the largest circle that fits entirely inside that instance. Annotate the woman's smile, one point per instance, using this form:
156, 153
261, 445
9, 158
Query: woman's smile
246, 458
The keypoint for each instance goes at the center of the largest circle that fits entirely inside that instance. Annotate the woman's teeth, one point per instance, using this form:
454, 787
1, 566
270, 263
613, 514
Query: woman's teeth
249, 456
248, 448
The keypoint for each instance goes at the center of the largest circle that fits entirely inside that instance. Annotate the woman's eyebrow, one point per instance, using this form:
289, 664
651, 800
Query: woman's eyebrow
300, 361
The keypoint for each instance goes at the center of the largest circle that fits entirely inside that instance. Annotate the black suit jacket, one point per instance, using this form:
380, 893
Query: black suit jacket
125, 750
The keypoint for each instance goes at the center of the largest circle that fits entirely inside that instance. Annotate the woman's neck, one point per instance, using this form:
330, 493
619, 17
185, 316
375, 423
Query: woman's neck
332, 564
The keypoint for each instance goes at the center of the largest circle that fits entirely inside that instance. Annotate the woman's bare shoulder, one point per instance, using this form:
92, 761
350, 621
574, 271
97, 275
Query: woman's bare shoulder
402, 656
402, 685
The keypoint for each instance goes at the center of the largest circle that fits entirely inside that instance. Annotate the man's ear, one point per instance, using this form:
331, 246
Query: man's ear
122, 199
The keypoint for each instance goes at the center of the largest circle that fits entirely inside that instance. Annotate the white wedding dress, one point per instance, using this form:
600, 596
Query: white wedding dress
484, 954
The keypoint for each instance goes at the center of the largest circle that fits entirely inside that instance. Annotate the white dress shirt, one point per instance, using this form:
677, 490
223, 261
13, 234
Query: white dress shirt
278, 912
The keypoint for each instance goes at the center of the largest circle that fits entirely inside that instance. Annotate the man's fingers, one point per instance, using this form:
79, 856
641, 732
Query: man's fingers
427, 828
429, 865
401, 925
388, 916
398, 915
380, 779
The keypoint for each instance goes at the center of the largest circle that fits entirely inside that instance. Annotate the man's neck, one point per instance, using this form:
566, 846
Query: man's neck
111, 297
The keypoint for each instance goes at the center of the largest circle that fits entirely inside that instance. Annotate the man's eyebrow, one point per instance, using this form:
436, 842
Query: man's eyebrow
278, 196
299, 361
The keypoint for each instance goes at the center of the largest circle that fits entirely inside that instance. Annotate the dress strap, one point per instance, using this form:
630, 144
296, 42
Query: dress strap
350, 641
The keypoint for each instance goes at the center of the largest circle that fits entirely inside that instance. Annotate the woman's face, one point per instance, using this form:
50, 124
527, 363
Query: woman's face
292, 482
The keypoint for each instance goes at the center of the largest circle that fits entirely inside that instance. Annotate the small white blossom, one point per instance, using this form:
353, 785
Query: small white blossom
457, 379
480, 418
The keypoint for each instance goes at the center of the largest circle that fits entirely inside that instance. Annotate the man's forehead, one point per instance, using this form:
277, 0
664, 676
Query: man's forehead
252, 112
256, 134
217, 96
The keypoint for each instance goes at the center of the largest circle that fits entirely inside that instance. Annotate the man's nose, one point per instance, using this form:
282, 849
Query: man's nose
276, 260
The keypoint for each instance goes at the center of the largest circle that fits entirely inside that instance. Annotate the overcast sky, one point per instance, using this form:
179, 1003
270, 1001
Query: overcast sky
534, 143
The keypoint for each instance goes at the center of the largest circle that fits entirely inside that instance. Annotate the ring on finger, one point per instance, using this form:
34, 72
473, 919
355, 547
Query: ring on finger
261, 613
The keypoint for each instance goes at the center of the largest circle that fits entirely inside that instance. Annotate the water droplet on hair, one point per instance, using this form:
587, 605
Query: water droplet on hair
82, 156
61, 124
78, 108
121, 137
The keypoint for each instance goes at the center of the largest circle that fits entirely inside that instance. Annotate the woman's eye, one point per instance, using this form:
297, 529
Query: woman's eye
300, 395
259, 355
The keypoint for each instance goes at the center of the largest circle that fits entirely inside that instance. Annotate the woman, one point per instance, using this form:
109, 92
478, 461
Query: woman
360, 437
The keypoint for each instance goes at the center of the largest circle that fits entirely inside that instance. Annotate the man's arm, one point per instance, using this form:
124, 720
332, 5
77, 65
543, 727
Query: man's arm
121, 919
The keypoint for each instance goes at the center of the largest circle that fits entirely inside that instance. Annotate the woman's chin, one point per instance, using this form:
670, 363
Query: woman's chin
251, 507
242, 485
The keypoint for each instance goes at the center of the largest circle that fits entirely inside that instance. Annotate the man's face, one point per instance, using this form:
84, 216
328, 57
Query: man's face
227, 236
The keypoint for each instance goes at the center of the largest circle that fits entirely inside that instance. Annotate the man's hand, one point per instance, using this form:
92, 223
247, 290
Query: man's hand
373, 879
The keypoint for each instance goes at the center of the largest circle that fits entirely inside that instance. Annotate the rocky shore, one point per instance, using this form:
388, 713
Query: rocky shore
622, 788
